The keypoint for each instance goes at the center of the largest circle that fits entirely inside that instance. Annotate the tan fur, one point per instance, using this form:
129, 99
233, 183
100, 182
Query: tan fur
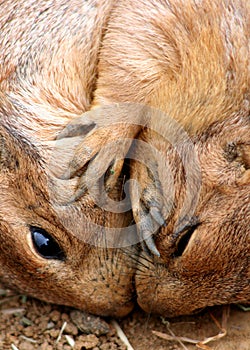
211, 266
48, 62
190, 61
186, 58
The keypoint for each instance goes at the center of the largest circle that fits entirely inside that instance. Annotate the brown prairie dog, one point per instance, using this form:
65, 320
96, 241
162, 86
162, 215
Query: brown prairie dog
48, 61
204, 248
189, 60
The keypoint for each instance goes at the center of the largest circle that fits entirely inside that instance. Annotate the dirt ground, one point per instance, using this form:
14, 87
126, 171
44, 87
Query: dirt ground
27, 324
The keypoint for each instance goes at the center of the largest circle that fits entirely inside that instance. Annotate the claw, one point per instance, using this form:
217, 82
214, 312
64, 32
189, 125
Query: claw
76, 129
157, 216
150, 243
146, 249
146, 231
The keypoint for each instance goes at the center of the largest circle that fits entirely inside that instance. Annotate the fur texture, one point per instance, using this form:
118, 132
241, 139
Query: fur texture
204, 246
48, 70
187, 59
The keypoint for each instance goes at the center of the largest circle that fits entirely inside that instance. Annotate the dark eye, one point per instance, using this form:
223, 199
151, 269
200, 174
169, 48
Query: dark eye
182, 243
45, 245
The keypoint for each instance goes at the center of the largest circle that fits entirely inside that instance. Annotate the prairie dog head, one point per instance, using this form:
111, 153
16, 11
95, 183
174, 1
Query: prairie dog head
59, 252
190, 61
204, 251
49, 53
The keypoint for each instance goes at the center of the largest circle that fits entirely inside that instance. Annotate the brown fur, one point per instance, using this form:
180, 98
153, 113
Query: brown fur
204, 252
49, 54
190, 61
198, 75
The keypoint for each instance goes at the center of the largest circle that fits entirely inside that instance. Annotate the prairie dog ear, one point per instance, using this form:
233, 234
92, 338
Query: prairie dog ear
239, 154
40, 163
244, 155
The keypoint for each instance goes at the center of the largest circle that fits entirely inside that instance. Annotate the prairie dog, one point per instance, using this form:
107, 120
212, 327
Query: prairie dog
187, 62
187, 59
48, 71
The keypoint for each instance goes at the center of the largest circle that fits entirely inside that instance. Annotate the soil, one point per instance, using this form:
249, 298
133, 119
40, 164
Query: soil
27, 324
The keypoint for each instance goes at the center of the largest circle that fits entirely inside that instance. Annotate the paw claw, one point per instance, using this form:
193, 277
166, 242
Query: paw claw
157, 216
77, 129
147, 228
150, 243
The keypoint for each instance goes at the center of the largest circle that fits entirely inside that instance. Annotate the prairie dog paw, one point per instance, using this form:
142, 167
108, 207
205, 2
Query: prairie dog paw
147, 205
150, 208
93, 147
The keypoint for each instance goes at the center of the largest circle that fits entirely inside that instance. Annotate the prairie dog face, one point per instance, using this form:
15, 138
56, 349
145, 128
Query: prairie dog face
197, 72
48, 71
190, 61
58, 252
204, 256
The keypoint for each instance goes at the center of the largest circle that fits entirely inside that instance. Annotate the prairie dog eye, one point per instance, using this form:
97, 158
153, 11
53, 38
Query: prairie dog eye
45, 245
184, 239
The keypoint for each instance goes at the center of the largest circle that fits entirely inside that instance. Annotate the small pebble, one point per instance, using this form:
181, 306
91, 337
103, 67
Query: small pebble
55, 316
89, 324
25, 345
29, 332
88, 341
